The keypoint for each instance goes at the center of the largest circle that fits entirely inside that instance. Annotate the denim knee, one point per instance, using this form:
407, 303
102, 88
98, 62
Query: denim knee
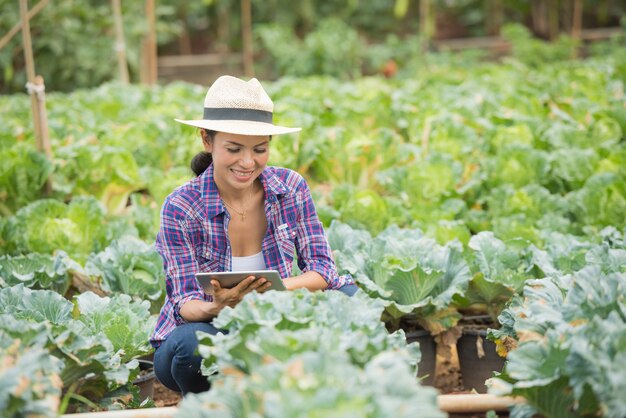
177, 364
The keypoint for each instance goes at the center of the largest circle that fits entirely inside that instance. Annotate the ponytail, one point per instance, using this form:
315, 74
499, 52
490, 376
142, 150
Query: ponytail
201, 161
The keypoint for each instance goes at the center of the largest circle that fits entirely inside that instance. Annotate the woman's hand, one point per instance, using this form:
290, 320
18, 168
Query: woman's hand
223, 297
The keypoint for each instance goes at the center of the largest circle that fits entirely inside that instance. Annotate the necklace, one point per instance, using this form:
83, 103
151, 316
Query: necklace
239, 212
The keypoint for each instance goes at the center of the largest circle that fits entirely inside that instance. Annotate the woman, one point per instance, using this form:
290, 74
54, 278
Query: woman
238, 214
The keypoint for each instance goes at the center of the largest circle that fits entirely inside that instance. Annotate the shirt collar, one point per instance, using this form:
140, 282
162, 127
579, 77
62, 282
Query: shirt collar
273, 186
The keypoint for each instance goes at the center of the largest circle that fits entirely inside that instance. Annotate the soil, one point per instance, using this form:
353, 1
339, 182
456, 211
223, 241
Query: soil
165, 397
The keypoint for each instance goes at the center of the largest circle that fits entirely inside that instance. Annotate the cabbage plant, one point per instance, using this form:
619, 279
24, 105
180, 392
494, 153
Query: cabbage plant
316, 384
409, 273
278, 325
572, 346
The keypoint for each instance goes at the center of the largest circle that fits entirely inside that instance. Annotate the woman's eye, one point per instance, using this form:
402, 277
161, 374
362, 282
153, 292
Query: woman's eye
260, 150
232, 150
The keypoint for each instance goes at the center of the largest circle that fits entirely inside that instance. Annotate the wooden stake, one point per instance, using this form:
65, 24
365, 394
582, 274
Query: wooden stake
452, 403
30, 69
540, 23
120, 44
472, 403
553, 19
151, 44
246, 35
494, 17
36, 89
40, 94
427, 27
15, 29
577, 19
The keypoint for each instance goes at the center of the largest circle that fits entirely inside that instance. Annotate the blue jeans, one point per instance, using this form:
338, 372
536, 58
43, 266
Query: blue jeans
176, 363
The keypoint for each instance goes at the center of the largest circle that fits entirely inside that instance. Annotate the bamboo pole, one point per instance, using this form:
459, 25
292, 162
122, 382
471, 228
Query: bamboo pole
15, 29
120, 44
40, 92
151, 44
553, 19
427, 27
494, 17
184, 41
471, 403
540, 24
36, 90
452, 403
246, 35
577, 19
167, 412
30, 70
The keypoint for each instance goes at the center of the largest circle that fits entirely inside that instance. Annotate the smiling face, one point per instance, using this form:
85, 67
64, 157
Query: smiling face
238, 160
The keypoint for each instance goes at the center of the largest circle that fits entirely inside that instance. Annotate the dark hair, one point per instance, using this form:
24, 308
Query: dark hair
201, 161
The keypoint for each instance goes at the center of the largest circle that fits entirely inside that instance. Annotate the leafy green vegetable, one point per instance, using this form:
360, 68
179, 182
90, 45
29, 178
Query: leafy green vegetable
499, 272
260, 329
94, 349
113, 173
29, 379
408, 272
129, 266
317, 384
572, 343
125, 323
36, 271
47, 225
23, 173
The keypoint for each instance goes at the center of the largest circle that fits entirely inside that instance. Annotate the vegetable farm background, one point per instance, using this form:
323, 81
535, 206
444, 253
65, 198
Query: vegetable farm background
458, 186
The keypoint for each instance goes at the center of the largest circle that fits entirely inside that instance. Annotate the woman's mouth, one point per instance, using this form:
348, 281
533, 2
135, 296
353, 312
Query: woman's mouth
242, 175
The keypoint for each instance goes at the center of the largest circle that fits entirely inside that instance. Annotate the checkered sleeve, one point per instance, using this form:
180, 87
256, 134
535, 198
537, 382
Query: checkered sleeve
313, 250
175, 245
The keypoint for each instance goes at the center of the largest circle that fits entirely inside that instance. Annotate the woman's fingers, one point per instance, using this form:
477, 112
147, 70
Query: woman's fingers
245, 284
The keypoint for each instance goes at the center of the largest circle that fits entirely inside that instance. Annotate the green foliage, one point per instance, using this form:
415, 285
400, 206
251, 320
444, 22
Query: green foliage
36, 271
408, 272
90, 353
279, 325
129, 266
29, 378
572, 332
126, 323
47, 225
81, 33
332, 49
499, 272
113, 174
23, 173
535, 52
317, 384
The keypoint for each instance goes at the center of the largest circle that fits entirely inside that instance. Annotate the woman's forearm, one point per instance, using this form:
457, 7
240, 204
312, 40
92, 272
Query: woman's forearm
199, 310
312, 280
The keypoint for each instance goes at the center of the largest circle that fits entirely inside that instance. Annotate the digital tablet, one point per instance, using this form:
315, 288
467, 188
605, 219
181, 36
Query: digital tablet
230, 279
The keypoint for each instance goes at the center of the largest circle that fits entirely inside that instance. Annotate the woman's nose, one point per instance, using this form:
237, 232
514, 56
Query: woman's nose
247, 160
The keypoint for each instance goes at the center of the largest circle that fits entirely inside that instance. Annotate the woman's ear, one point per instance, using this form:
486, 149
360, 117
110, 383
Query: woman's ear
207, 141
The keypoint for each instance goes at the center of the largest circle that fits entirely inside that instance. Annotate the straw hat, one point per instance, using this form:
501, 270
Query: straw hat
238, 107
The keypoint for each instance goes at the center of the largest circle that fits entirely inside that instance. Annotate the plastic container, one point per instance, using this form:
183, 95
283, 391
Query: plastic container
146, 379
477, 359
428, 348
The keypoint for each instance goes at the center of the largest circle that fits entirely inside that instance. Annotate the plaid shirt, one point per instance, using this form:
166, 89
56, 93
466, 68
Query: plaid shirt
193, 238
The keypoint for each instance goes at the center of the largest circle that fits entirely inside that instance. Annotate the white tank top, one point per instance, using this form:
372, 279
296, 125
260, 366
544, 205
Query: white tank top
249, 262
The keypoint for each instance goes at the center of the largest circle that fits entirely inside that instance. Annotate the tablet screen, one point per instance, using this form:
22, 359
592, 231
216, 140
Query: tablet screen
230, 279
